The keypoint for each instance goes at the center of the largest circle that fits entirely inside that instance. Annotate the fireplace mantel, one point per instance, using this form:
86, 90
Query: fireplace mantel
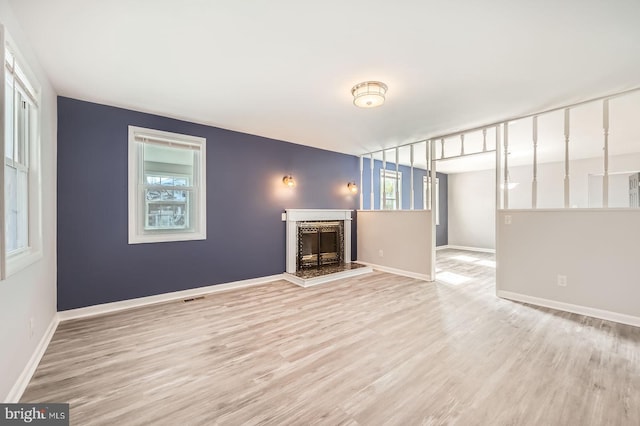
300, 215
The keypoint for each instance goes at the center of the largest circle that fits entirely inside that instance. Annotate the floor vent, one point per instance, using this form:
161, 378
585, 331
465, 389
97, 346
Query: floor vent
193, 299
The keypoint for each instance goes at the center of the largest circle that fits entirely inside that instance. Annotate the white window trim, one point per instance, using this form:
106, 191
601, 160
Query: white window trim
425, 200
385, 173
136, 229
11, 263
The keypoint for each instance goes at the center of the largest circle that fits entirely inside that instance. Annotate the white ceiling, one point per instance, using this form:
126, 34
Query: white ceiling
284, 68
586, 138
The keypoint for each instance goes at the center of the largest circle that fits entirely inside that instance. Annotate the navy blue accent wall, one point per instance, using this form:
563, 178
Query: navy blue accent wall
442, 234
245, 199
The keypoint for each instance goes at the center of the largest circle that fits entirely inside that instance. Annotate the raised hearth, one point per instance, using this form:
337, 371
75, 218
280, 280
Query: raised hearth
321, 274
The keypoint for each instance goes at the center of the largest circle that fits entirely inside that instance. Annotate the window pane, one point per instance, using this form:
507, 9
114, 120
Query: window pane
11, 208
166, 181
166, 216
172, 195
154, 194
8, 117
169, 160
388, 184
390, 188
23, 208
153, 180
22, 132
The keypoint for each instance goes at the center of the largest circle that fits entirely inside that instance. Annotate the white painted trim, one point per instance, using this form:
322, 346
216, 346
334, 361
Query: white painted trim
478, 249
25, 377
572, 209
136, 231
568, 307
392, 211
298, 215
160, 298
424, 277
442, 247
309, 282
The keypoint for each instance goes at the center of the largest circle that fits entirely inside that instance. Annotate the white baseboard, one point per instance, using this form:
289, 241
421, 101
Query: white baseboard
418, 276
568, 307
442, 247
478, 249
160, 298
25, 377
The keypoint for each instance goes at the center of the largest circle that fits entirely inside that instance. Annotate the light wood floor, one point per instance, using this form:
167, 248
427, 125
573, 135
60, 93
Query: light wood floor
370, 350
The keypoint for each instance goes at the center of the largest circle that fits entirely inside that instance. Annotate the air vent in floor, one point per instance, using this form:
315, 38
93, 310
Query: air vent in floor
193, 299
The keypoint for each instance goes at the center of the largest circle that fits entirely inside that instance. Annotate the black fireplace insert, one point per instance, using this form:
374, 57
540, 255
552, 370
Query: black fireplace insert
320, 243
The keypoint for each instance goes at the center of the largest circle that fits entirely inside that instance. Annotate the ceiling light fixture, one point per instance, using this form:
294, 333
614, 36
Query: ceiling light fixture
289, 181
369, 94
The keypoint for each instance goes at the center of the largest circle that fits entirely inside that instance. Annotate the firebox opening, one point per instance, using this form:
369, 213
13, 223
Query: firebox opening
319, 243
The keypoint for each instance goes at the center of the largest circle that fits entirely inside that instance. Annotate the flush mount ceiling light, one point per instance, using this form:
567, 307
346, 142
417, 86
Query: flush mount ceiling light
369, 94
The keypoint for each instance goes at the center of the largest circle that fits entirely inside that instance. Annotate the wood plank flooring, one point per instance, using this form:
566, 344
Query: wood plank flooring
377, 349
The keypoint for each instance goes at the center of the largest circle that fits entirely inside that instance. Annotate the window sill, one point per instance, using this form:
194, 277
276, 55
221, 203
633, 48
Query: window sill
18, 261
166, 238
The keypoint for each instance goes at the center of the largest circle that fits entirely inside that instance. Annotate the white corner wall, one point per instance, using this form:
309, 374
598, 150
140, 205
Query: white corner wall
472, 209
597, 251
30, 293
397, 241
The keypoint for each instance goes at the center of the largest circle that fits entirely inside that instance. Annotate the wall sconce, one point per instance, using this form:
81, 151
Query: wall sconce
289, 181
353, 188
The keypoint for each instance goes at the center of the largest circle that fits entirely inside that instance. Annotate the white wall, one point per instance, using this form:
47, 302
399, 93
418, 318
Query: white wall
30, 293
472, 209
472, 194
404, 237
597, 250
551, 183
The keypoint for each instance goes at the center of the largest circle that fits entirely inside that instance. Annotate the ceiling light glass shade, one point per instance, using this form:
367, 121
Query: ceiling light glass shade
369, 94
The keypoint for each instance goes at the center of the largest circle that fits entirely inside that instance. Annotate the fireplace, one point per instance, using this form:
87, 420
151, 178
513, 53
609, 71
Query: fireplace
304, 250
320, 243
319, 246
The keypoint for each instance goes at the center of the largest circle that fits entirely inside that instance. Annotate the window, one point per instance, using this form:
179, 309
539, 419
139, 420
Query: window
427, 200
167, 186
20, 174
389, 180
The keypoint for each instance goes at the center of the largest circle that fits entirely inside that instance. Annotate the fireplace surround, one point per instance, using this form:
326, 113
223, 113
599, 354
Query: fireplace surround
294, 216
